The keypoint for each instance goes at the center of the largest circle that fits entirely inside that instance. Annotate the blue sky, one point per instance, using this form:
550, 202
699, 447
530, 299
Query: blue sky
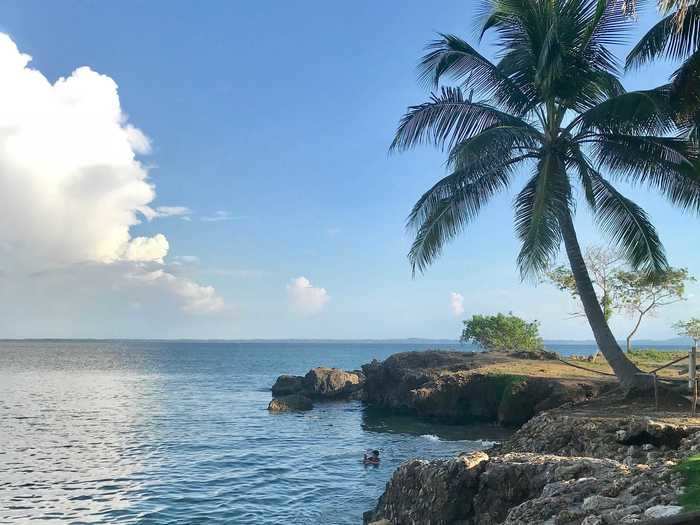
275, 118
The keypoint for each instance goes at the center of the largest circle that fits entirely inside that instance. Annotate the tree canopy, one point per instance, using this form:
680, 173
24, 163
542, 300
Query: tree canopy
502, 332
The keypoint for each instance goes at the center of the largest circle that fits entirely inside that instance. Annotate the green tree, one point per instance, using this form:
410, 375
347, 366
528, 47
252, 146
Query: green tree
689, 328
553, 106
642, 294
502, 332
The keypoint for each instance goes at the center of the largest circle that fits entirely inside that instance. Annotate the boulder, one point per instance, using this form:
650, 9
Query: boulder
323, 382
663, 511
292, 402
286, 385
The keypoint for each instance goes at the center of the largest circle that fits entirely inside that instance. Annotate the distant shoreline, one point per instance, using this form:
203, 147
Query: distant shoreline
674, 342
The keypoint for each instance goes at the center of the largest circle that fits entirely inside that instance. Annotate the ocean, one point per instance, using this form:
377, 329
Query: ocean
178, 433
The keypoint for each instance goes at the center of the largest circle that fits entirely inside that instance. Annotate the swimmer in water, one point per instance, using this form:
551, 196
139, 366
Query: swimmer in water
372, 458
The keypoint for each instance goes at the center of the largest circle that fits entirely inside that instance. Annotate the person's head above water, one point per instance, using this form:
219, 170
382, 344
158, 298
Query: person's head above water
375, 453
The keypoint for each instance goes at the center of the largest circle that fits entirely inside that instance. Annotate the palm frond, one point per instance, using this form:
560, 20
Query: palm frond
669, 165
667, 39
628, 227
648, 111
537, 210
448, 119
451, 56
445, 209
626, 224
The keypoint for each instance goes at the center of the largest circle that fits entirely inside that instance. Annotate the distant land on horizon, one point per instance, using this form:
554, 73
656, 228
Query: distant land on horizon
674, 341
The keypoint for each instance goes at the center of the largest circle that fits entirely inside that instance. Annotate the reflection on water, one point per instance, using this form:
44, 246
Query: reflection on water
163, 433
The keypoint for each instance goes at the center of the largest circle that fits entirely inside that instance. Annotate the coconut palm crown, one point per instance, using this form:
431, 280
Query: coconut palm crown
551, 109
676, 37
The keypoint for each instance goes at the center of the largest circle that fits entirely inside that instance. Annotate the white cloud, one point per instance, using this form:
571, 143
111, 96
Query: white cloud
305, 298
196, 299
147, 249
456, 303
71, 184
218, 216
173, 211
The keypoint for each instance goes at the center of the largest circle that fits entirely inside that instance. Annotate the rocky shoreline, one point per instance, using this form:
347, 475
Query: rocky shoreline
563, 466
556, 470
451, 387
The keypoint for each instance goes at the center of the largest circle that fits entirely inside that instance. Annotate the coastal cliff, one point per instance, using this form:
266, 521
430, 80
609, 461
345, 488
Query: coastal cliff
458, 387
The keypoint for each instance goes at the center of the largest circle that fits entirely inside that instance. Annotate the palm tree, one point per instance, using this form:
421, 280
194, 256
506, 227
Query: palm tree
676, 37
551, 108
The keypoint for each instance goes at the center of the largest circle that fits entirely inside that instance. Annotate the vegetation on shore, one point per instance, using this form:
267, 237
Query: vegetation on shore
502, 333
690, 499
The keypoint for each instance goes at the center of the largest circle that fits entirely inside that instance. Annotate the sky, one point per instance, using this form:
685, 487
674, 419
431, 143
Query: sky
220, 170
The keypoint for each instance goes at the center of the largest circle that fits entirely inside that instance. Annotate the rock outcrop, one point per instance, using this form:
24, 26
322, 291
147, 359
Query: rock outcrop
458, 387
318, 384
539, 476
292, 402
333, 383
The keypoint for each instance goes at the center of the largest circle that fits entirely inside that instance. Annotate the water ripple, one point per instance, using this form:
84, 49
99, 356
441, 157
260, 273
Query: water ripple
177, 433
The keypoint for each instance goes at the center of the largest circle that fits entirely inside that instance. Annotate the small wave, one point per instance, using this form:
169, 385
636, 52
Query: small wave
485, 443
430, 437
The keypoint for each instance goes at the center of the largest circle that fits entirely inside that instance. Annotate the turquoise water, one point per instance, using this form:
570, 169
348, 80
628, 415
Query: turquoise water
178, 433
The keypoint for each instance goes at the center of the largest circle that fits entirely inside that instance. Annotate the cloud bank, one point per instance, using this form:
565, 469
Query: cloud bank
306, 299
71, 182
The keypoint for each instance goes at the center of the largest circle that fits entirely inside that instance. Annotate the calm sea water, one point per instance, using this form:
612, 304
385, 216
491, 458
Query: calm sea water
178, 432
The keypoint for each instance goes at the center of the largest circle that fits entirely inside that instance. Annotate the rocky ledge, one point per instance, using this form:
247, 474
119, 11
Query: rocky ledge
452, 387
539, 476
458, 387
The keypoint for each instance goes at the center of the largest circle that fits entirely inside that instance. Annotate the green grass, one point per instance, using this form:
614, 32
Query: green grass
656, 356
691, 497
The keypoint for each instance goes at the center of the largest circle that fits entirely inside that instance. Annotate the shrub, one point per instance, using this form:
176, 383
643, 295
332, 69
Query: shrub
502, 332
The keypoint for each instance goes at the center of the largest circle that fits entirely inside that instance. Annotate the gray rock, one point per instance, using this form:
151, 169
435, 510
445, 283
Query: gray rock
597, 503
323, 382
663, 511
286, 385
293, 402
592, 520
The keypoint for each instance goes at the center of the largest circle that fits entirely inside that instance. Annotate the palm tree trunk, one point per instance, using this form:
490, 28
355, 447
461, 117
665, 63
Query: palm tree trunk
624, 369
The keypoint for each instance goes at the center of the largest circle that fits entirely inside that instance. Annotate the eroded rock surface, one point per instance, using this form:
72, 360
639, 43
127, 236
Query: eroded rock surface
451, 387
321, 383
292, 402
326, 382
523, 483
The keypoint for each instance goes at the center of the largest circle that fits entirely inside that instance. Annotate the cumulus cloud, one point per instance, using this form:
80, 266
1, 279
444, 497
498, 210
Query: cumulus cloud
305, 298
197, 299
72, 186
456, 304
